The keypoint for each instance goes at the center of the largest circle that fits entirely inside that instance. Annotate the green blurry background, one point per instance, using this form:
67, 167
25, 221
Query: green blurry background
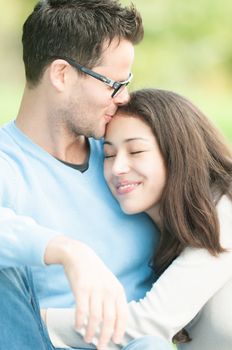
187, 48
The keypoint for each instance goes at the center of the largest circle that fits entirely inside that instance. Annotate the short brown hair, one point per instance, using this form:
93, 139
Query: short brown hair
76, 29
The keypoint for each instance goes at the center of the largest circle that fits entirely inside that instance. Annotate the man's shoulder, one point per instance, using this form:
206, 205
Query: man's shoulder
9, 147
7, 155
6, 134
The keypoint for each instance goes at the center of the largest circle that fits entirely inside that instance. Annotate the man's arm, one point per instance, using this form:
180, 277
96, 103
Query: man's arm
98, 294
23, 241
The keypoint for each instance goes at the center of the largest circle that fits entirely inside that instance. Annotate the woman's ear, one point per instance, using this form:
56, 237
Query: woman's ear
58, 73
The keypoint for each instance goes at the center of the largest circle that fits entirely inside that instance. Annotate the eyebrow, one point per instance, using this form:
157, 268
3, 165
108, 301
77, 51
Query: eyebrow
126, 140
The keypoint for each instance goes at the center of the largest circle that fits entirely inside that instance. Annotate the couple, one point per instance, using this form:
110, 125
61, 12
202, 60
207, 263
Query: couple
56, 209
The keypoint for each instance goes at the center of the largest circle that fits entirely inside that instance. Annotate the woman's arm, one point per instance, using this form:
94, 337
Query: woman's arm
188, 283
174, 300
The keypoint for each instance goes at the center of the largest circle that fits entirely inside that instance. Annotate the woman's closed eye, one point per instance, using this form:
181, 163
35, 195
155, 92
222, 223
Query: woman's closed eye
107, 156
137, 152
113, 155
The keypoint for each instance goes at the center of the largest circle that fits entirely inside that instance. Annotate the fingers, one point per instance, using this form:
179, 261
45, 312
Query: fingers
95, 316
107, 318
121, 320
82, 310
108, 323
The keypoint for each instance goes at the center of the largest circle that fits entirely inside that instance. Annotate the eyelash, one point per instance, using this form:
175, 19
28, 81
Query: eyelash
107, 157
137, 152
113, 155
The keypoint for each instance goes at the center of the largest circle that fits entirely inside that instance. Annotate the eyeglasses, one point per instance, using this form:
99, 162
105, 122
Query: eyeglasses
117, 86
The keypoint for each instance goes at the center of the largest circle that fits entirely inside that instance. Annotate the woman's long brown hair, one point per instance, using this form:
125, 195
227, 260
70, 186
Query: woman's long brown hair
199, 172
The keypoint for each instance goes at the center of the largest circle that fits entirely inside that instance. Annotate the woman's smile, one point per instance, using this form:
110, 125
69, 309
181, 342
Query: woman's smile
125, 187
134, 167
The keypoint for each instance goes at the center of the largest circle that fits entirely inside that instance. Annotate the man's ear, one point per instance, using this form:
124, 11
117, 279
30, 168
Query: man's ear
58, 72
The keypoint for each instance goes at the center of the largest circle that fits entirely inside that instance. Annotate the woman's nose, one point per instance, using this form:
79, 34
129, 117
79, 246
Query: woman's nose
120, 165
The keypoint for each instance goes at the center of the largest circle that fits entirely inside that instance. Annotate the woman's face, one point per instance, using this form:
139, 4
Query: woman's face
134, 167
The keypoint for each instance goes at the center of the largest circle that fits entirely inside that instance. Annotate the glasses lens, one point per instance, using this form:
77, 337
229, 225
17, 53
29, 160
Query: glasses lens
121, 86
119, 89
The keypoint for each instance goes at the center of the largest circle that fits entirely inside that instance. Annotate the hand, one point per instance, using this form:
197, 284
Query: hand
99, 296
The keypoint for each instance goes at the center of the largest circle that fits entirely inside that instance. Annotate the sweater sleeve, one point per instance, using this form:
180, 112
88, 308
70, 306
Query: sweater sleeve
183, 289
23, 240
174, 300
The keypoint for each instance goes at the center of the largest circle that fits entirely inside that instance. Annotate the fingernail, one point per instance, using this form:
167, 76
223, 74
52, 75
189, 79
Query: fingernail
117, 340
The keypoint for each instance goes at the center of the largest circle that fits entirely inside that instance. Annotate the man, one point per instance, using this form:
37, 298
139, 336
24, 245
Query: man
55, 207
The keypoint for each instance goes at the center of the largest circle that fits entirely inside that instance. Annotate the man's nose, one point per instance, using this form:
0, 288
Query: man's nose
122, 97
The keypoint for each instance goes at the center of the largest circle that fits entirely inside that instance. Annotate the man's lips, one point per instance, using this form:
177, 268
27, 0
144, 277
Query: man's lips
126, 187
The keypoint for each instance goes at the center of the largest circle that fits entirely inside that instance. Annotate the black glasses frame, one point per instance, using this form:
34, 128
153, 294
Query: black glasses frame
115, 85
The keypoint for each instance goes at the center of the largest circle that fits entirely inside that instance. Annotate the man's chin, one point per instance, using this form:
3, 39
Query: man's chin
100, 134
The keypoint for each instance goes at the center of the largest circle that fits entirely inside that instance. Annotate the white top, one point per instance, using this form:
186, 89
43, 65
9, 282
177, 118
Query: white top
196, 285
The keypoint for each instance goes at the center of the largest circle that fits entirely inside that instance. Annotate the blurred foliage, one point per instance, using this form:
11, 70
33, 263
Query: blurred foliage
186, 48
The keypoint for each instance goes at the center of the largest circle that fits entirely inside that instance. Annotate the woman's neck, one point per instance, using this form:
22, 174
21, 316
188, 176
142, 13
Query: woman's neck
154, 214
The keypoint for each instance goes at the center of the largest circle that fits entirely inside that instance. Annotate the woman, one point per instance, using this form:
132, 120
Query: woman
163, 156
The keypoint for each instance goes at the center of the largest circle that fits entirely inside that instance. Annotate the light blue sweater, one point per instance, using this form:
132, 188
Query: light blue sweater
42, 198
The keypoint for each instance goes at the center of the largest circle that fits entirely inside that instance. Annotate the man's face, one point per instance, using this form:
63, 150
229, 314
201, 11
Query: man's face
90, 105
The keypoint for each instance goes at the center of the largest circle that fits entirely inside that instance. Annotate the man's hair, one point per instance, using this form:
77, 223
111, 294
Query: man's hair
77, 29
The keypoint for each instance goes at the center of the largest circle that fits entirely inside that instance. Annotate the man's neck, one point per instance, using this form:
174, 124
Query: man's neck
33, 120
